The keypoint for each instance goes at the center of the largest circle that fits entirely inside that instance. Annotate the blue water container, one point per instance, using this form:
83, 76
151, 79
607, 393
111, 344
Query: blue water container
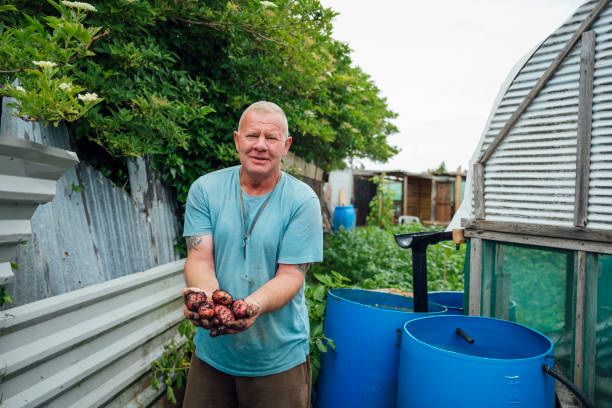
440, 368
366, 329
344, 216
452, 300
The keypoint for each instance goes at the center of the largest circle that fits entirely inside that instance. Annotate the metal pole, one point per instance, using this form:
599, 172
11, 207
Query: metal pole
419, 278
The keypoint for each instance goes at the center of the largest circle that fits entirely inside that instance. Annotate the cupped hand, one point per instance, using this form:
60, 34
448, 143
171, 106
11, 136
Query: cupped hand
189, 314
192, 316
239, 325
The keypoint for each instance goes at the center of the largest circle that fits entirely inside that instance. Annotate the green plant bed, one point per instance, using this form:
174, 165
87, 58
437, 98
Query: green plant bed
370, 258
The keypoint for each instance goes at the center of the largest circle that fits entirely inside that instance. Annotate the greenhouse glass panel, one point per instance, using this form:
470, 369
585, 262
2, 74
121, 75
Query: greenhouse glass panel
535, 287
598, 331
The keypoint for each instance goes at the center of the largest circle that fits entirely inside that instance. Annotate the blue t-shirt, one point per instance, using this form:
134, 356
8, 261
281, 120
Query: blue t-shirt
289, 231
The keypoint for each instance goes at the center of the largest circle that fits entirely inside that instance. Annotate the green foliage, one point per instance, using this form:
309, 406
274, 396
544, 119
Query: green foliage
37, 62
295, 171
440, 169
5, 297
175, 76
381, 205
317, 286
371, 259
171, 368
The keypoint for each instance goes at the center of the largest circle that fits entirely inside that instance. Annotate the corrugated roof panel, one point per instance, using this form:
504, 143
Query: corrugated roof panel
529, 160
600, 184
529, 205
533, 154
531, 175
547, 131
528, 198
538, 176
568, 167
555, 113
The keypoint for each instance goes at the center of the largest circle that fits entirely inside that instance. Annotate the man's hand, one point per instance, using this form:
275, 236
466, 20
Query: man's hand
239, 325
193, 317
189, 314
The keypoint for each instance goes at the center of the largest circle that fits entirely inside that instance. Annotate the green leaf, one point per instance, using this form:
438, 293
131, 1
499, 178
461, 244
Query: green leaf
316, 330
14, 266
320, 292
77, 189
170, 395
7, 7
155, 382
322, 347
324, 279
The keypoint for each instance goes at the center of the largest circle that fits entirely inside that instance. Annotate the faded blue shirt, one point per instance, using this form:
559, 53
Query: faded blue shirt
289, 231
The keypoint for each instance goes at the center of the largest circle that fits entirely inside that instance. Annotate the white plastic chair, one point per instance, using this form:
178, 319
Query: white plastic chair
407, 219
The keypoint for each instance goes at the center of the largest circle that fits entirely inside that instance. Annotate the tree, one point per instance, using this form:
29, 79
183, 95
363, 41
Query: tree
174, 77
440, 169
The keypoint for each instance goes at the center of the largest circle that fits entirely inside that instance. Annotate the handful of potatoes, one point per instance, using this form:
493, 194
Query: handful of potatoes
219, 310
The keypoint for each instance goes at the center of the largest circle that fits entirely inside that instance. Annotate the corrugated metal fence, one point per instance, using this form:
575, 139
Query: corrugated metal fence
92, 236
93, 346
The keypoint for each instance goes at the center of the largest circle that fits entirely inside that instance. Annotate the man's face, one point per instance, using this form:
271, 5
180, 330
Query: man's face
261, 143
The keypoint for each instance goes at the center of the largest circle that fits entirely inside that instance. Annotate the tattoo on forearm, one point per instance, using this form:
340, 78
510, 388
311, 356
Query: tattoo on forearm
193, 242
303, 267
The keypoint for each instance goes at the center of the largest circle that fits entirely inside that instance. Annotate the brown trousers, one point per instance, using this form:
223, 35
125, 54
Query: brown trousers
208, 387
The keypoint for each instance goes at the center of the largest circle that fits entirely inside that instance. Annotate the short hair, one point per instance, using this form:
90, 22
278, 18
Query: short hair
267, 107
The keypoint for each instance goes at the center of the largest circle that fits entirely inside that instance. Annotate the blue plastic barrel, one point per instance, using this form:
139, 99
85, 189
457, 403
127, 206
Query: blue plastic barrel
366, 329
452, 300
502, 368
344, 215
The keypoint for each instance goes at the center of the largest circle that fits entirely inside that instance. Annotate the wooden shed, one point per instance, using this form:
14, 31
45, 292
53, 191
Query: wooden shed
432, 197
538, 207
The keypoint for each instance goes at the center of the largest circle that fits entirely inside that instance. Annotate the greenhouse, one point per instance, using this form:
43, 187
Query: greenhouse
539, 219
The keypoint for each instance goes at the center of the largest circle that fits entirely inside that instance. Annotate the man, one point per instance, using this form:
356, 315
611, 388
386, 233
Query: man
253, 231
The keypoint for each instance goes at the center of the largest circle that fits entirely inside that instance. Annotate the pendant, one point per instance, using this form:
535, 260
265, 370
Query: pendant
244, 244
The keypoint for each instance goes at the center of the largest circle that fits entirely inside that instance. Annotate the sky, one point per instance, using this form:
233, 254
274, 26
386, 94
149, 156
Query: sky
440, 65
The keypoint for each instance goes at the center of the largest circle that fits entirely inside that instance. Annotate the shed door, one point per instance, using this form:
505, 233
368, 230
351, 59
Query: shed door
443, 201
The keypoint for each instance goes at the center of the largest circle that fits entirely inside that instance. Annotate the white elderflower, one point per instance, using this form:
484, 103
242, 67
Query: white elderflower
88, 97
268, 4
44, 64
130, 1
20, 88
65, 86
79, 5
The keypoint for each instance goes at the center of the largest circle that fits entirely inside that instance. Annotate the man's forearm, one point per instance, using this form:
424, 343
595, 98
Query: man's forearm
279, 291
200, 264
199, 274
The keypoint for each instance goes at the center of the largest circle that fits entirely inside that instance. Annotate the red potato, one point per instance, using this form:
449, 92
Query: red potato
224, 314
194, 299
206, 310
222, 297
239, 308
